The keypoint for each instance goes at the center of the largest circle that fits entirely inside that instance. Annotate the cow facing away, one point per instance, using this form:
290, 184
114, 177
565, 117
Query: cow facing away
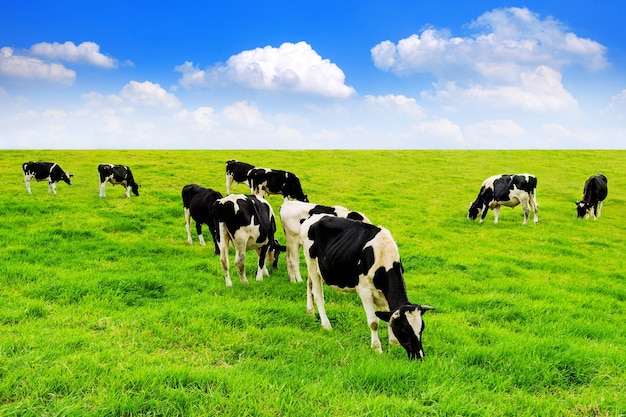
45, 171
505, 190
117, 174
292, 214
594, 193
353, 256
248, 222
237, 171
271, 181
198, 205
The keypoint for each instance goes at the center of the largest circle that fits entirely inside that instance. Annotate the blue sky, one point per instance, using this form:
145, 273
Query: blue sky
397, 74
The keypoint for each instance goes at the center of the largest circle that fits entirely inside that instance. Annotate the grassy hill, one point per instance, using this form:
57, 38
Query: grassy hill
106, 310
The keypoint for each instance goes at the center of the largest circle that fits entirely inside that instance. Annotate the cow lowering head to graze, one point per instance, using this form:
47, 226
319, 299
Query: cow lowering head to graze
45, 171
594, 193
198, 205
270, 181
353, 256
117, 174
237, 171
505, 190
292, 214
248, 222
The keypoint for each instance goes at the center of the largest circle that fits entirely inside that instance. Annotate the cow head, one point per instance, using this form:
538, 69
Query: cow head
474, 210
583, 208
273, 252
66, 177
407, 325
134, 187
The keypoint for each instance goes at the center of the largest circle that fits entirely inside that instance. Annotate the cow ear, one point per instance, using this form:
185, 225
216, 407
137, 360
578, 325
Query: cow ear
384, 315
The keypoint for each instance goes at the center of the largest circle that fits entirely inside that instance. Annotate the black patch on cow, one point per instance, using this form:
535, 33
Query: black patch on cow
199, 201
50, 171
238, 170
594, 191
251, 211
318, 209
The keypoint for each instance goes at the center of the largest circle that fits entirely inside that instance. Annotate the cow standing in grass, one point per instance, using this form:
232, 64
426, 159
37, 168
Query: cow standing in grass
266, 181
292, 214
198, 205
595, 191
45, 171
237, 171
505, 190
353, 256
117, 174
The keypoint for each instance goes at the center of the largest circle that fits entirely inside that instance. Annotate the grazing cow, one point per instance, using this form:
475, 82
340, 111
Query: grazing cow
292, 214
198, 205
117, 174
359, 257
594, 193
505, 190
48, 171
248, 221
237, 171
270, 181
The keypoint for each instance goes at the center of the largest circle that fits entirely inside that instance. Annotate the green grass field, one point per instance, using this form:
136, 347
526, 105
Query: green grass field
106, 310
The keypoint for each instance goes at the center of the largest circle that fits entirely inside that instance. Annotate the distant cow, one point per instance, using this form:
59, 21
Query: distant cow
292, 214
353, 256
271, 181
45, 171
248, 222
237, 171
594, 193
198, 205
505, 190
117, 174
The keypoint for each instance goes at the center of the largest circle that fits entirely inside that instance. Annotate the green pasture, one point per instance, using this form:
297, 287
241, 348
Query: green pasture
105, 309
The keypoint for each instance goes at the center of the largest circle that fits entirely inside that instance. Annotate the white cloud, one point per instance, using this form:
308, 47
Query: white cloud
494, 132
203, 118
84, 53
149, 94
397, 103
440, 130
290, 67
510, 38
33, 69
245, 114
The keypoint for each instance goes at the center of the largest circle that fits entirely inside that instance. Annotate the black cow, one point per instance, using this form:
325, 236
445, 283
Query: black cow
505, 190
359, 257
292, 214
45, 171
248, 222
594, 193
271, 181
237, 171
117, 174
198, 204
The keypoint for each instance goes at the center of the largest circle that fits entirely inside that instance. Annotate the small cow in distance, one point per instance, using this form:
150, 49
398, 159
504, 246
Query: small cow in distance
237, 171
198, 205
292, 214
594, 193
248, 222
505, 190
45, 171
271, 181
117, 174
353, 256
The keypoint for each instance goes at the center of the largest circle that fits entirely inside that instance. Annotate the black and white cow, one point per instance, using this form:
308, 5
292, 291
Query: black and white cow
198, 205
45, 171
117, 174
237, 171
505, 190
292, 214
594, 193
271, 181
248, 222
353, 256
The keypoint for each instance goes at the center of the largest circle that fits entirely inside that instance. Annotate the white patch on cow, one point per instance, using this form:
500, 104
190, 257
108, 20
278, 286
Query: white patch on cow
385, 251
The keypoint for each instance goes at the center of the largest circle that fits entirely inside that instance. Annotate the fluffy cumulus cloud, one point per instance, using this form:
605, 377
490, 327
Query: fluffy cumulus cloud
29, 68
506, 40
149, 94
84, 53
399, 103
292, 67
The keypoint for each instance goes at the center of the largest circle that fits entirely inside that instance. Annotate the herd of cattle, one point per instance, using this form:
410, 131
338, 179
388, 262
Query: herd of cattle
341, 247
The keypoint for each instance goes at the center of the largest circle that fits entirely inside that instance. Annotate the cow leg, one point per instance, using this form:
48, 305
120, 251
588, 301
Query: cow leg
199, 232
240, 260
484, 213
310, 306
224, 239
526, 212
261, 268
188, 225
594, 211
369, 306
535, 207
496, 214
317, 292
102, 193
229, 183
27, 182
127, 193
293, 260
599, 208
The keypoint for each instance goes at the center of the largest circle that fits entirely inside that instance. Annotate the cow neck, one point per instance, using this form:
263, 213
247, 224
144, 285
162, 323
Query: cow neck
396, 288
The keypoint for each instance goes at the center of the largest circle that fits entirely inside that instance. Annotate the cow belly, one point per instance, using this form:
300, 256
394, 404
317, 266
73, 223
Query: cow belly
509, 203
